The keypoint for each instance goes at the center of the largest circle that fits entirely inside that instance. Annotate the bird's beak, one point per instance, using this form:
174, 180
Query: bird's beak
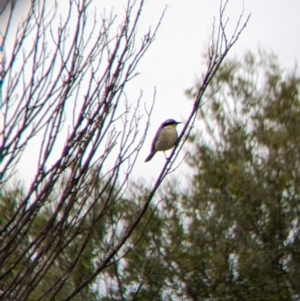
179, 122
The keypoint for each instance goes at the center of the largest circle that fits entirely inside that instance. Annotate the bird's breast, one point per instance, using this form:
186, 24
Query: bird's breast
166, 139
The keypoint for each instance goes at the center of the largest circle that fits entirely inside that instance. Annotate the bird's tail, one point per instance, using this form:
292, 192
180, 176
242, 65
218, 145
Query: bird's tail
149, 157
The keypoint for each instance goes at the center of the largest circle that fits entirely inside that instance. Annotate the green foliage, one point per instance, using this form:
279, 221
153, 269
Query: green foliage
77, 241
91, 228
243, 205
233, 233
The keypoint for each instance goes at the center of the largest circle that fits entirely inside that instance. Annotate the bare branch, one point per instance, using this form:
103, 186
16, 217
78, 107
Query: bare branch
65, 99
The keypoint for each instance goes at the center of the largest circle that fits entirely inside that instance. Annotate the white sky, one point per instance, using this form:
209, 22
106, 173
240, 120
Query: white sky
174, 60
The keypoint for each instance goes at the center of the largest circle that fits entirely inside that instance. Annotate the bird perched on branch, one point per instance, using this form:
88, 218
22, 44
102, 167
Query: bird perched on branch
165, 138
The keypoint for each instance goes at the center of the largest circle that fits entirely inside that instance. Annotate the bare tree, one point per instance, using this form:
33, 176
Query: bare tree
3, 4
64, 91
1, 83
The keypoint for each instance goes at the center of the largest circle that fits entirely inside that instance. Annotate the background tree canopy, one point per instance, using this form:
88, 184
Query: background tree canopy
233, 233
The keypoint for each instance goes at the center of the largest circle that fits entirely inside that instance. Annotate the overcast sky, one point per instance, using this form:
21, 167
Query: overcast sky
174, 60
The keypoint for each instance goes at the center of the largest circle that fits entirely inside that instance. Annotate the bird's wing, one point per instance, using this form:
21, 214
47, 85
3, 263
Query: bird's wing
155, 140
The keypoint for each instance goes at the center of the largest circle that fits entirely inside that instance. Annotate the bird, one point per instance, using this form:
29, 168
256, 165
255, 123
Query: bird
165, 138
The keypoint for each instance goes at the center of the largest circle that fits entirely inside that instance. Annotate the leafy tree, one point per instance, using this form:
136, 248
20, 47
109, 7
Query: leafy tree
233, 233
244, 200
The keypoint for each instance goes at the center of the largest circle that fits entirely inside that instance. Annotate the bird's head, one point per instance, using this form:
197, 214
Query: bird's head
170, 122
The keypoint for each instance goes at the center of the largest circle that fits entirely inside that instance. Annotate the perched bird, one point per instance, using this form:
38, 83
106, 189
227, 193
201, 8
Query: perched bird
165, 138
